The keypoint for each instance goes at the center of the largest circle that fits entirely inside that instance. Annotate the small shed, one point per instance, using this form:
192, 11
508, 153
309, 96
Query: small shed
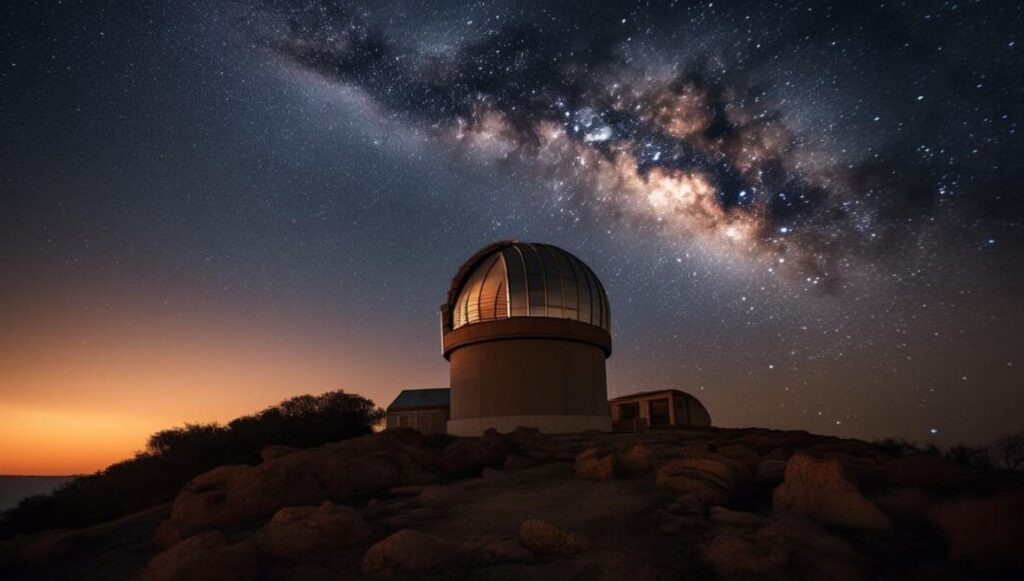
426, 410
655, 409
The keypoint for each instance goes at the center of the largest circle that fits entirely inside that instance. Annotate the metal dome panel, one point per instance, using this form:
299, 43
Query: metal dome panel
518, 279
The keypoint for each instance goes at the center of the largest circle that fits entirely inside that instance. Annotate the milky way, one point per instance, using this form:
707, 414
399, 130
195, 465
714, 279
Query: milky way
807, 214
700, 147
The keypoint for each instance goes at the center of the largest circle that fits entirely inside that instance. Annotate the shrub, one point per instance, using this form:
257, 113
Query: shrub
970, 457
1009, 451
898, 447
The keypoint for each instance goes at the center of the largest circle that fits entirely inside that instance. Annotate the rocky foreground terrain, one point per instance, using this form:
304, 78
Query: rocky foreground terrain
667, 504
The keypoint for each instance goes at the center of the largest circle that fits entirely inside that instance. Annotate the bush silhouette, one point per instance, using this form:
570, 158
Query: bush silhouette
1009, 451
176, 455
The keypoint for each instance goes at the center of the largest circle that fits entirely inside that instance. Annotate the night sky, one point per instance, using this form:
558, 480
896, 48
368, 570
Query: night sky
808, 216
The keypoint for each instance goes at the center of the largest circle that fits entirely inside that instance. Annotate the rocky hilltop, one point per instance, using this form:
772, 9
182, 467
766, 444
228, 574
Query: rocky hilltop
666, 504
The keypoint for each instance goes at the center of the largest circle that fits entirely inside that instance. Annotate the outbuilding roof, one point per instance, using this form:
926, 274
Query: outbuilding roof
645, 394
411, 399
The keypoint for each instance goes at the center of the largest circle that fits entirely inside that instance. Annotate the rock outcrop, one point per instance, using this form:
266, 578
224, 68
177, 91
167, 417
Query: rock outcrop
301, 531
672, 503
274, 452
468, 456
544, 538
733, 555
406, 550
633, 460
590, 465
770, 471
820, 490
237, 495
630, 460
206, 556
709, 480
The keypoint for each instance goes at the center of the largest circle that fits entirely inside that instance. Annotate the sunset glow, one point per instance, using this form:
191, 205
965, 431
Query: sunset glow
78, 393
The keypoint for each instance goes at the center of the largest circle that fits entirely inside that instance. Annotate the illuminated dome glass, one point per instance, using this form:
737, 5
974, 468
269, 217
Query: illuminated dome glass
518, 279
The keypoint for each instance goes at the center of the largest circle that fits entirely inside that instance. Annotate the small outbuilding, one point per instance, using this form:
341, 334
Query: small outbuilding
426, 410
656, 409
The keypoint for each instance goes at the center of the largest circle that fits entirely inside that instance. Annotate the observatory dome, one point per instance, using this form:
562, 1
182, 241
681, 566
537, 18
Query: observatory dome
526, 329
520, 279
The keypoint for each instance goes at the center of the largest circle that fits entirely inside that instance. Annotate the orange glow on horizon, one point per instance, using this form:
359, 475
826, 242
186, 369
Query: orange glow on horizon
49, 442
79, 392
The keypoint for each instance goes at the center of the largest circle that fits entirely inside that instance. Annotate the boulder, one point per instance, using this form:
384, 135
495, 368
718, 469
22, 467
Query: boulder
860, 468
37, 548
231, 496
778, 454
523, 438
590, 465
813, 552
406, 550
468, 456
739, 468
276, 451
504, 551
517, 461
300, 531
206, 556
709, 480
724, 516
408, 520
168, 534
787, 548
437, 496
733, 556
558, 570
544, 538
493, 474
633, 460
924, 470
986, 534
820, 490
406, 490
744, 454
770, 471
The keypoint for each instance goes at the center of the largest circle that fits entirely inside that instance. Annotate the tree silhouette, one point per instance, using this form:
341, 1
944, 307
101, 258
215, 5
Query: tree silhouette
1009, 451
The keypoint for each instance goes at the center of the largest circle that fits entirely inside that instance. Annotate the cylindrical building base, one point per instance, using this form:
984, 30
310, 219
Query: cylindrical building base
547, 424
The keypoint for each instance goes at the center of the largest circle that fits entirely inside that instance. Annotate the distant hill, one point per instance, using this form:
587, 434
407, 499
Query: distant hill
15, 488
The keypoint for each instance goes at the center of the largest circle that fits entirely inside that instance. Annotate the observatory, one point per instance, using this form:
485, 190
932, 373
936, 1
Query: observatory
525, 328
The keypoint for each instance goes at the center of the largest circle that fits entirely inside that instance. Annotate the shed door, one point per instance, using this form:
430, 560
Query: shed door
659, 412
628, 411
